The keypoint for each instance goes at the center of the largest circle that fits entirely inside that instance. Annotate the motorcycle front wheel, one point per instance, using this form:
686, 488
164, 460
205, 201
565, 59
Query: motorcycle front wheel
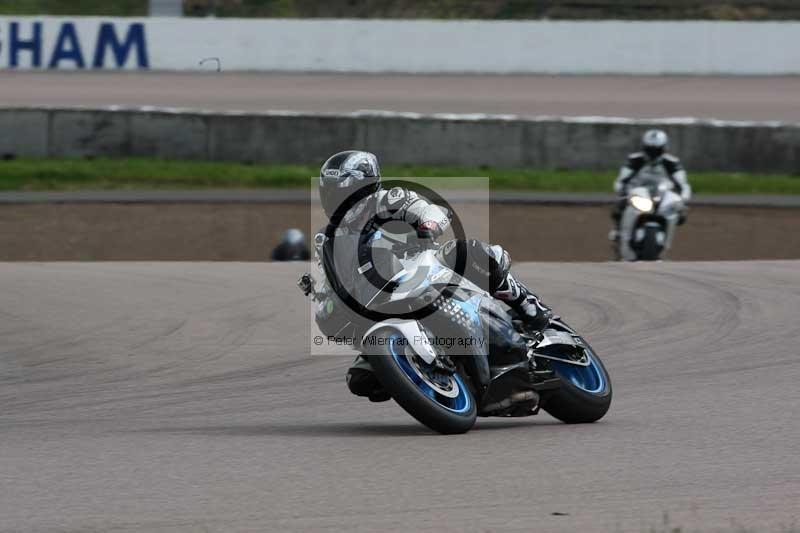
441, 401
650, 248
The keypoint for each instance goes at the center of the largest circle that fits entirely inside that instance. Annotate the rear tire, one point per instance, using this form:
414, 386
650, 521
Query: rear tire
573, 404
411, 397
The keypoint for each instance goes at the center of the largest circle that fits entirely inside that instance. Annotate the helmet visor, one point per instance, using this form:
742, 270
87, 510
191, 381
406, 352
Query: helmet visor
340, 195
654, 152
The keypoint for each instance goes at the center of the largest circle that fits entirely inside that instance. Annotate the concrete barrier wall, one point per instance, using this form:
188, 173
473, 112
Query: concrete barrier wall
407, 46
399, 138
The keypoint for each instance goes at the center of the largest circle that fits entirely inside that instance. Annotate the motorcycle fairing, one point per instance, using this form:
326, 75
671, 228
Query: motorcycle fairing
411, 331
664, 214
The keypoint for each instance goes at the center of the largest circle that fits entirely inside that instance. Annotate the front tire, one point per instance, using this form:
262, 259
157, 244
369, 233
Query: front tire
651, 249
402, 376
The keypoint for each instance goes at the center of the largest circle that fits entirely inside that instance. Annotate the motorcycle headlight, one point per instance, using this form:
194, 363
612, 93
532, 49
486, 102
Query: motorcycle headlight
642, 203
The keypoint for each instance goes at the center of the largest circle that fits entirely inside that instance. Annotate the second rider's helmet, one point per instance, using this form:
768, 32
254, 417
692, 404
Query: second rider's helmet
341, 176
654, 143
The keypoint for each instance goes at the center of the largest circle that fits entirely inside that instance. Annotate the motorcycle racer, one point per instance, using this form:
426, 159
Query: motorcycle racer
341, 176
292, 247
652, 160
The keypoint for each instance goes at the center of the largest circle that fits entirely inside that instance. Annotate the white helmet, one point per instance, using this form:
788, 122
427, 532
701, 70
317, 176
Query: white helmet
294, 236
654, 143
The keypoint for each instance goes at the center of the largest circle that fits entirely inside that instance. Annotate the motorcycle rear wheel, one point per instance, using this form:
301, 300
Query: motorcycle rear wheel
585, 392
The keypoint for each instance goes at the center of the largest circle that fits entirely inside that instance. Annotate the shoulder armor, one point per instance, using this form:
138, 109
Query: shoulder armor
392, 200
636, 160
671, 163
395, 196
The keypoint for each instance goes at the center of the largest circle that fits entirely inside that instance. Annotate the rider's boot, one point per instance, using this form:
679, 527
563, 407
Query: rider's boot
527, 305
361, 381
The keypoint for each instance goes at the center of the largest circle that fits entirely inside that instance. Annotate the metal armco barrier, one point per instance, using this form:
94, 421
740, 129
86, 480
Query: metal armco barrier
399, 138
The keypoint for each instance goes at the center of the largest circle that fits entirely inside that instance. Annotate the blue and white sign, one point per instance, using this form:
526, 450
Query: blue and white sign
403, 46
85, 43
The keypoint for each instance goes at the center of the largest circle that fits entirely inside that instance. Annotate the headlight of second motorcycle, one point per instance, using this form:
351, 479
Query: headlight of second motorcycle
642, 203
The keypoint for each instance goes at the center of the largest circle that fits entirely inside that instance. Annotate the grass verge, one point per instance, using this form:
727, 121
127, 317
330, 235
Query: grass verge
80, 174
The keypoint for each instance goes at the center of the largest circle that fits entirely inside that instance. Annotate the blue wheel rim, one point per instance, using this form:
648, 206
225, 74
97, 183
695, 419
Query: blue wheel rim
587, 378
460, 404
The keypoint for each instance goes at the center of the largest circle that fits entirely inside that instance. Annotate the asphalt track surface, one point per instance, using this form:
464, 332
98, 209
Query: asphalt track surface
180, 397
731, 98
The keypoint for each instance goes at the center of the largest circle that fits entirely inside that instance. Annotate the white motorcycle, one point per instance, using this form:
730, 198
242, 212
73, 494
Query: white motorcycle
648, 222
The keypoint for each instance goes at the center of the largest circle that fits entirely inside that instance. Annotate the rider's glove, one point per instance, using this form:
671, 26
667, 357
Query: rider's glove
428, 230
